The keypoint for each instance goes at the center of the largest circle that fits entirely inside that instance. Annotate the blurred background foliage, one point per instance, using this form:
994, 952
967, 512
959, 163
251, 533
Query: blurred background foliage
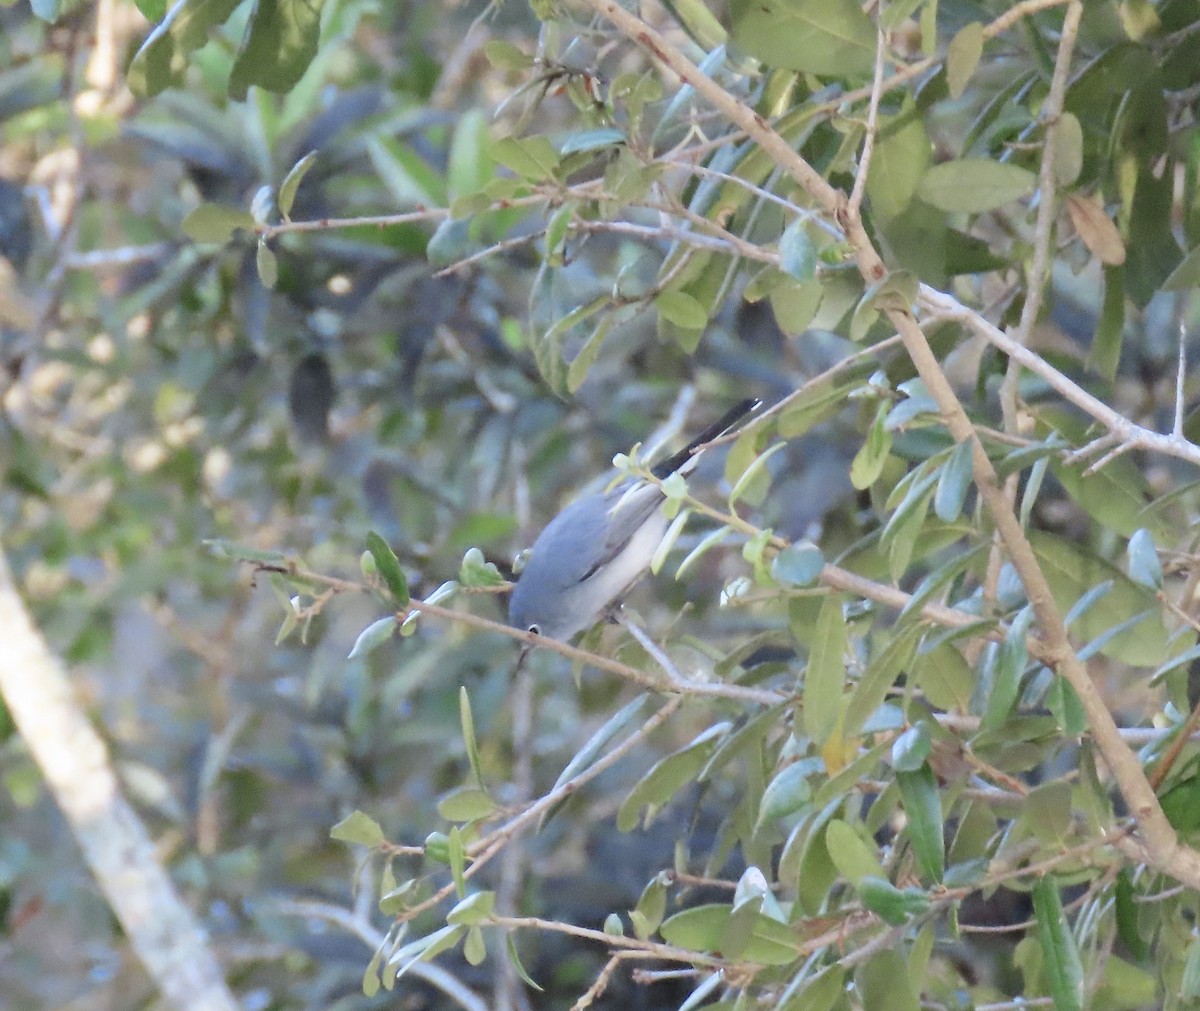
171, 380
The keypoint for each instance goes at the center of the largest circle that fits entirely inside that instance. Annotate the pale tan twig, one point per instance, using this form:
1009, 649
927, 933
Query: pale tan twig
868, 148
1043, 232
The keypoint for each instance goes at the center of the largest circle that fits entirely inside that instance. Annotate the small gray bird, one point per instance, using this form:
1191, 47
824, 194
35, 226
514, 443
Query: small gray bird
593, 551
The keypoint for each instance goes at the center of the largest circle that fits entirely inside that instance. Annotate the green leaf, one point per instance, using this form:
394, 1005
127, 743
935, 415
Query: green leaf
473, 910
702, 928
1011, 657
651, 906
923, 811
1068, 150
1072, 571
532, 158
1152, 254
358, 828
469, 166
682, 309
882, 672
515, 960
468, 803
700, 23
873, 453
1185, 276
373, 636
911, 748
787, 792
1060, 955
667, 776
797, 255
388, 566
823, 37
280, 43
795, 304
1189, 982
466, 719
901, 157
973, 185
945, 677
426, 948
477, 571
854, 859
893, 905
410, 179
591, 140
291, 183
547, 347
214, 223
886, 980
504, 55
586, 756
1126, 908
1105, 354
962, 57
798, 565
825, 675
1116, 495
953, 484
456, 857
1144, 566
266, 265
474, 947
160, 61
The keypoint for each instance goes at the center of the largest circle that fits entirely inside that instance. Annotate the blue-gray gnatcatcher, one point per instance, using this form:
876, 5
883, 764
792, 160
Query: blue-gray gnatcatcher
593, 551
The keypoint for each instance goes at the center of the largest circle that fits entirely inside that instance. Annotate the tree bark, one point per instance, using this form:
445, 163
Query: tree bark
163, 933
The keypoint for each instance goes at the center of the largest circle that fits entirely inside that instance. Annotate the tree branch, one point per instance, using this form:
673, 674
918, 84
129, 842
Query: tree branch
164, 935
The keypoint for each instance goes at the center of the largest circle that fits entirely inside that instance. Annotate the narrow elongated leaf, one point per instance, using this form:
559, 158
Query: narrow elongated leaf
668, 775
923, 809
291, 182
388, 567
826, 672
954, 482
614, 725
467, 719
1011, 659
1060, 955
373, 636
962, 57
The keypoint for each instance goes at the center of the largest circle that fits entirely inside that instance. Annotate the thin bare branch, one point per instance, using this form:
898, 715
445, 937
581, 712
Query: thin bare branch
868, 148
1043, 233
